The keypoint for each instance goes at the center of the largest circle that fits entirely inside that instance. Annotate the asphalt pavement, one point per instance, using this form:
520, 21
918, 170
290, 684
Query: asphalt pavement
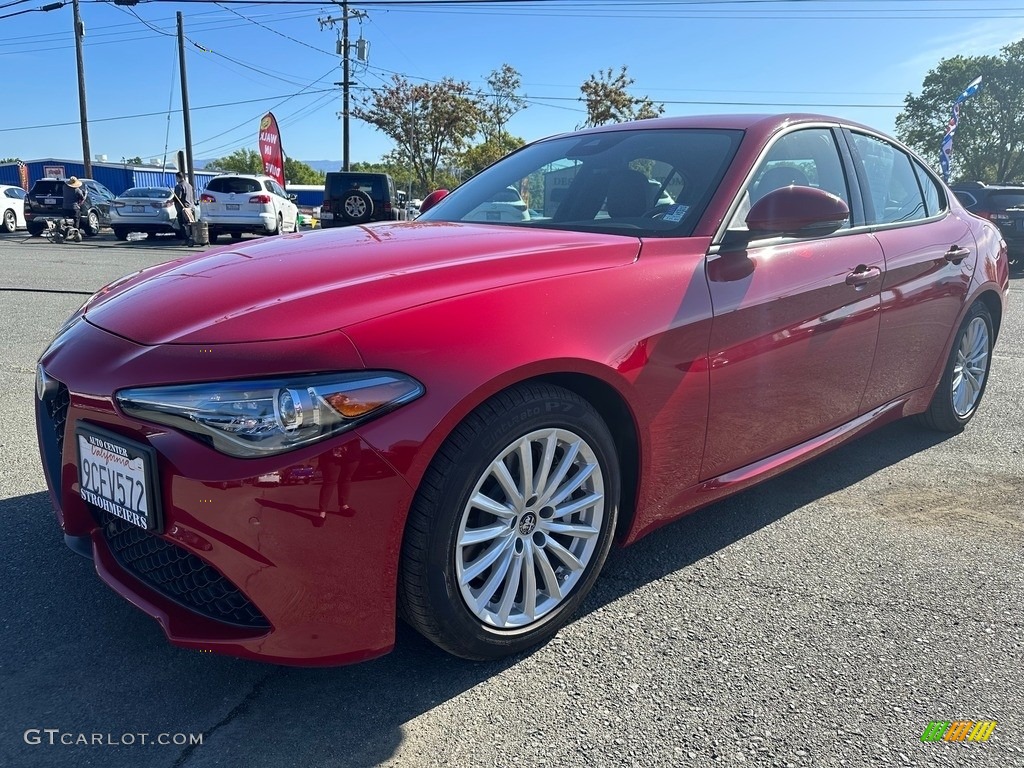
821, 619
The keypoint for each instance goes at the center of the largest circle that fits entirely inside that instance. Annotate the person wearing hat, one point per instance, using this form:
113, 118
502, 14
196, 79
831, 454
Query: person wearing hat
74, 199
184, 204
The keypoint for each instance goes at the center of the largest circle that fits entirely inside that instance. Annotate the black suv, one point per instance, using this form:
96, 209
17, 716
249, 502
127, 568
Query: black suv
46, 201
1003, 205
351, 197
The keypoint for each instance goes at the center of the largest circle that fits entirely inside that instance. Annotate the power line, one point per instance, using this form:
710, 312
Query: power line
155, 114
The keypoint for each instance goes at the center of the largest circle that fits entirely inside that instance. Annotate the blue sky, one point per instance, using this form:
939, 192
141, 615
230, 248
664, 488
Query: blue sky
852, 58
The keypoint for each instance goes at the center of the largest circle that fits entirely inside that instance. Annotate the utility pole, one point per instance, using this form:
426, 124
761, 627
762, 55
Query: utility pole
344, 89
189, 169
83, 113
346, 71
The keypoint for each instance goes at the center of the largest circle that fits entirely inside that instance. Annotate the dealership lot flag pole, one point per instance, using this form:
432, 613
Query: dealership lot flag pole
946, 150
270, 148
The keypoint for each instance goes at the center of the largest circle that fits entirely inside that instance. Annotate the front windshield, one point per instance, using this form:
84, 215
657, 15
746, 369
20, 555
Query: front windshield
637, 182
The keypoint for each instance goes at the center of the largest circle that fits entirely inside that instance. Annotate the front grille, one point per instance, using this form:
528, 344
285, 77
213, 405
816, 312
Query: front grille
178, 574
53, 416
57, 410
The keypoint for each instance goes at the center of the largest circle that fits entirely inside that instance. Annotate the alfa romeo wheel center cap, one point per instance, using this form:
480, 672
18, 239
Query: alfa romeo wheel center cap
527, 523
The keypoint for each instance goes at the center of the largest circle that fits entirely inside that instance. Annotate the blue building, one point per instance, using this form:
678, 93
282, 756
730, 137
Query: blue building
117, 177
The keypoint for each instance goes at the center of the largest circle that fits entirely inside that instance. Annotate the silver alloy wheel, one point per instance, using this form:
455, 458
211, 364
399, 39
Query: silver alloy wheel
530, 528
355, 206
971, 367
10, 220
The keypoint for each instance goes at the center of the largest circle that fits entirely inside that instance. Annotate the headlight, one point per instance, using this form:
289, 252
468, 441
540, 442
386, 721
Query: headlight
264, 417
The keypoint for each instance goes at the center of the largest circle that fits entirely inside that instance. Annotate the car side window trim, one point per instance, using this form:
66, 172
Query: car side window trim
860, 172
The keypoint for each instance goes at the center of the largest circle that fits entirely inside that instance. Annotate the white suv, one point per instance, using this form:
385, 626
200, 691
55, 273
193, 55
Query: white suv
236, 203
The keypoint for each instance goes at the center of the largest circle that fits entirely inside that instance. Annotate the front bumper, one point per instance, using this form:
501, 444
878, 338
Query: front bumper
290, 559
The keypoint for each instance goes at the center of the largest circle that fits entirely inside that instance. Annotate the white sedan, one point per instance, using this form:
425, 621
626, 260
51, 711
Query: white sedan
12, 208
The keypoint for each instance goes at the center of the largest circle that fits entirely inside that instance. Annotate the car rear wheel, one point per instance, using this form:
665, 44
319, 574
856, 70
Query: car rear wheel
511, 524
10, 222
35, 230
963, 381
120, 233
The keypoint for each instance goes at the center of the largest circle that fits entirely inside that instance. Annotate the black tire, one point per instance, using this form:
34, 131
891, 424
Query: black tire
35, 231
120, 233
965, 376
356, 207
9, 223
236, 237
212, 237
92, 223
431, 597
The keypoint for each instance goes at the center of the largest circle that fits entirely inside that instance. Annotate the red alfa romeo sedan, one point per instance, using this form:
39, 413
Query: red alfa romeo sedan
277, 448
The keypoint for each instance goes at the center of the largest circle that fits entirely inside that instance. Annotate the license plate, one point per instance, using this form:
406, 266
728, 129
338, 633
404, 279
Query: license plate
138, 209
117, 475
232, 206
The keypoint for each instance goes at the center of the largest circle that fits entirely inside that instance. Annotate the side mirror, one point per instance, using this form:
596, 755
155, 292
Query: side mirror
797, 211
433, 199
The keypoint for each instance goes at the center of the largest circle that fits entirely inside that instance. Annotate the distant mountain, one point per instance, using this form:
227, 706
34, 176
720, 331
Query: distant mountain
323, 165
317, 165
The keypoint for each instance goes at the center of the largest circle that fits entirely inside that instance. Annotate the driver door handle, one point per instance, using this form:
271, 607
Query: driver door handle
862, 275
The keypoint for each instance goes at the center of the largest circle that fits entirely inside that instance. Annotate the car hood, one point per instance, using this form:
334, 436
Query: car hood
298, 285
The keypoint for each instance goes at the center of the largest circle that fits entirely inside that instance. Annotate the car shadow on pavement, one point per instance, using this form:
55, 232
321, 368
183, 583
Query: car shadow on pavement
81, 659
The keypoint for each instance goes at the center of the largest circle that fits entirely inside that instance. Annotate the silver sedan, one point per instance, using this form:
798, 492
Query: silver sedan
145, 209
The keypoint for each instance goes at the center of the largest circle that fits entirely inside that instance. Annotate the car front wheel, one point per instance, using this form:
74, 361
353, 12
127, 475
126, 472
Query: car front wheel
10, 221
511, 525
963, 381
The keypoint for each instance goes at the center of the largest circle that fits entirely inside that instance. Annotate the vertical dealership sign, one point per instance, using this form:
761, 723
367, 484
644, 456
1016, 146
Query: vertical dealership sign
270, 148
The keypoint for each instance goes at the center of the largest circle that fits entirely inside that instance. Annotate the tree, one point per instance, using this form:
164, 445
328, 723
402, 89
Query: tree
430, 123
989, 141
501, 104
240, 161
608, 100
249, 161
478, 157
297, 172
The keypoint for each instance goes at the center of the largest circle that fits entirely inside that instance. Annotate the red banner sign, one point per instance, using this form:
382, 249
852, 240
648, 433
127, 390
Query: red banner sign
270, 148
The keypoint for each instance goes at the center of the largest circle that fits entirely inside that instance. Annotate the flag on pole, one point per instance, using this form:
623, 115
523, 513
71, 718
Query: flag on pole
946, 150
270, 148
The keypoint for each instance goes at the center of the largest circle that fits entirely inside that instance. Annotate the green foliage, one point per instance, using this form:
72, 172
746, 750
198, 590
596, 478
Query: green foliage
10, 160
240, 161
297, 172
989, 141
430, 123
479, 156
249, 161
608, 100
501, 104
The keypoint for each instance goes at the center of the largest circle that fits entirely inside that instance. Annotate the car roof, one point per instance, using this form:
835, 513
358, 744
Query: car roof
763, 124
242, 176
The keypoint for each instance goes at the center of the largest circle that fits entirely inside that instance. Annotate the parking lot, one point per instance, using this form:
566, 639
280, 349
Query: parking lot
822, 619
